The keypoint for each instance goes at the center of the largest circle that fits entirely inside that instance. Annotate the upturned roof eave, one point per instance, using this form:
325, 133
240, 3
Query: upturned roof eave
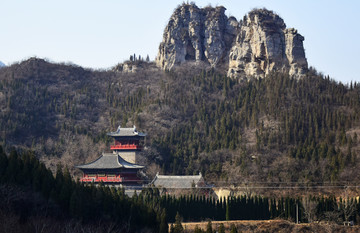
116, 164
126, 132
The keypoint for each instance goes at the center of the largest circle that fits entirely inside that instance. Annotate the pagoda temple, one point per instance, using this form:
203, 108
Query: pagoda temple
120, 167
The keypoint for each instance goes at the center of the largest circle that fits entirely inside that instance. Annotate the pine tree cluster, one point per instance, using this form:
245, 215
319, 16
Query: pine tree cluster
84, 203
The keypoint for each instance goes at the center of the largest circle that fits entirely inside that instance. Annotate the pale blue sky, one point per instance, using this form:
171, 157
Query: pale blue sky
100, 34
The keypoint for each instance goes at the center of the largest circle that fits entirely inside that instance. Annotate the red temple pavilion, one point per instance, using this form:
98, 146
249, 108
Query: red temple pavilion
119, 167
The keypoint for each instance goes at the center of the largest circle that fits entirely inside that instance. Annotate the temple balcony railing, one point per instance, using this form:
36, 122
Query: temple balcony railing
125, 147
101, 179
109, 179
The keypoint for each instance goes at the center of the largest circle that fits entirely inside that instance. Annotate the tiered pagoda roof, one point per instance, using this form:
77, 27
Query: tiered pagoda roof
109, 161
126, 132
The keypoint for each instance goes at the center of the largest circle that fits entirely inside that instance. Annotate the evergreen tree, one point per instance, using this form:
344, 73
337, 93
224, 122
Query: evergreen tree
209, 227
227, 217
178, 228
233, 228
198, 229
172, 229
221, 228
13, 168
3, 164
163, 223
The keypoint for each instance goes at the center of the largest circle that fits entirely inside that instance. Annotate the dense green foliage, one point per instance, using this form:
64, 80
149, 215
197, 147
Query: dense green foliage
85, 203
198, 208
195, 208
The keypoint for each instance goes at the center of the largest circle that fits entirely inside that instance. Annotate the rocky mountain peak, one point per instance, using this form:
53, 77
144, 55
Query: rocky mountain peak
264, 45
197, 34
266, 19
255, 46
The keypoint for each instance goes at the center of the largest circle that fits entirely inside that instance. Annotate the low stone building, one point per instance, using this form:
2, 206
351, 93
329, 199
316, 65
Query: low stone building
178, 182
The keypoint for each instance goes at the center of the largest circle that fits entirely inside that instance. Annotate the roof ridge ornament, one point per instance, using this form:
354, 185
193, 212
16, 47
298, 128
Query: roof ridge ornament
118, 129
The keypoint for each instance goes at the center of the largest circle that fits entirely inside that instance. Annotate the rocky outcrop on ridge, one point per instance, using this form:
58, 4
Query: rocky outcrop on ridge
255, 46
135, 67
195, 34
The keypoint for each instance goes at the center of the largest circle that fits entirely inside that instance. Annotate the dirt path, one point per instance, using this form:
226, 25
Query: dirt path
270, 226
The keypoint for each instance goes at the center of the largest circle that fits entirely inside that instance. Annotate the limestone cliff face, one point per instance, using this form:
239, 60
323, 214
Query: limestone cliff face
195, 34
255, 46
264, 45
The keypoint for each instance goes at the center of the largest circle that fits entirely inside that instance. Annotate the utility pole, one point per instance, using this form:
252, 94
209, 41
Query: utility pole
297, 212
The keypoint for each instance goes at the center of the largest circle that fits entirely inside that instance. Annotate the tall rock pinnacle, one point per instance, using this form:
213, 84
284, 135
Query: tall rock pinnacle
195, 34
264, 45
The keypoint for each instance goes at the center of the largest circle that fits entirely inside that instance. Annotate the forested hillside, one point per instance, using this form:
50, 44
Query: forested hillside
275, 129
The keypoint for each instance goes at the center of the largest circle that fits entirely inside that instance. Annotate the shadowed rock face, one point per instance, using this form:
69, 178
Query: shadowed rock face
195, 34
255, 46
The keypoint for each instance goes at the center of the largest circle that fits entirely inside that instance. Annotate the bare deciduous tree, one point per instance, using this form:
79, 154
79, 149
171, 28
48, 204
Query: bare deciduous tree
309, 205
348, 206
